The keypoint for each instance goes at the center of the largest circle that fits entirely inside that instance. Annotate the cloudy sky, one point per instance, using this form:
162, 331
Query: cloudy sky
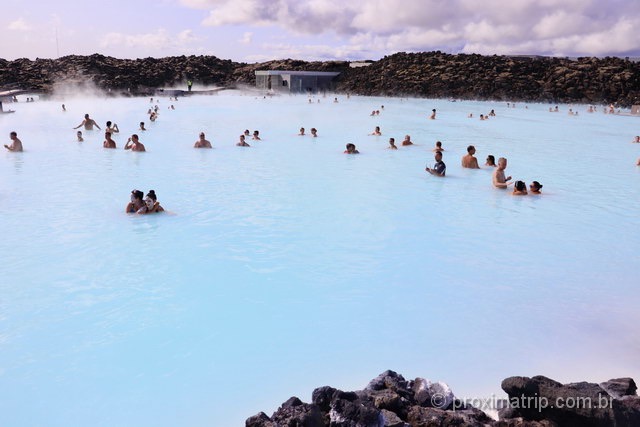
260, 30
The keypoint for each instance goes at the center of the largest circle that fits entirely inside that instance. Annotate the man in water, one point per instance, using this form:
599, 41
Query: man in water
242, 142
134, 144
112, 129
468, 160
16, 144
439, 169
202, 142
108, 141
438, 147
499, 180
88, 123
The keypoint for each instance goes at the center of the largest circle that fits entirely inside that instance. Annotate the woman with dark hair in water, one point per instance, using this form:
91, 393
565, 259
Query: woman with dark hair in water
136, 202
535, 187
519, 188
151, 204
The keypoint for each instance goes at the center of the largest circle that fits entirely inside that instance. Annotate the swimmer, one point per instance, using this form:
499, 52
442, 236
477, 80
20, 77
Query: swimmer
314, 132
439, 168
64, 108
407, 140
636, 139
482, 117
335, 100
351, 149
491, 161
438, 147
79, 136
301, 132
136, 201
519, 189
108, 142
112, 129
16, 144
535, 187
88, 123
468, 160
433, 114
492, 113
242, 142
202, 142
134, 144
256, 135
142, 126
498, 178
247, 133
392, 144
151, 204
376, 131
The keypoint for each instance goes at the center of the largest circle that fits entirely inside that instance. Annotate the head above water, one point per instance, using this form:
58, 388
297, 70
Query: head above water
137, 194
471, 149
152, 195
520, 186
535, 186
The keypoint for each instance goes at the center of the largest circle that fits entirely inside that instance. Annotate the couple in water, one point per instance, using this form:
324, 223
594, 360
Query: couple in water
519, 187
144, 206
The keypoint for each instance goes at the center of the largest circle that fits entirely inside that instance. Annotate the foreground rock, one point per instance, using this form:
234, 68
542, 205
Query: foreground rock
390, 400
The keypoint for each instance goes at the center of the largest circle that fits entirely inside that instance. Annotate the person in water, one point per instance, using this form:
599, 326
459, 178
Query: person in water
439, 168
314, 132
438, 147
79, 136
256, 135
491, 161
301, 132
392, 144
142, 126
433, 114
113, 129
535, 187
519, 188
16, 144
134, 144
88, 123
202, 142
136, 202
151, 204
351, 149
108, 141
499, 180
407, 140
468, 160
376, 131
242, 142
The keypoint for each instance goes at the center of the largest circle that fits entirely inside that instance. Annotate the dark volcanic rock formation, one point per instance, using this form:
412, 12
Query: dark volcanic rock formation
391, 401
428, 74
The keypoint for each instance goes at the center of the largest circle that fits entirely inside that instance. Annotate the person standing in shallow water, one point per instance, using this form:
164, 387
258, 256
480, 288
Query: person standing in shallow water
468, 160
202, 142
134, 144
439, 168
88, 123
499, 180
16, 144
108, 141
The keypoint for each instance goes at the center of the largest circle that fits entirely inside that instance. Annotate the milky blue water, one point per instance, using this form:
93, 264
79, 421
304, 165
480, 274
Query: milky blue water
289, 265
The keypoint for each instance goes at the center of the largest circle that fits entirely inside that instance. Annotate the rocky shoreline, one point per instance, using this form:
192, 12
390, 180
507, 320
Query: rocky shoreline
428, 74
390, 400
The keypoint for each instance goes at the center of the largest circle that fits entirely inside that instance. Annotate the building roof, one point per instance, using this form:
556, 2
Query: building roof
296, 73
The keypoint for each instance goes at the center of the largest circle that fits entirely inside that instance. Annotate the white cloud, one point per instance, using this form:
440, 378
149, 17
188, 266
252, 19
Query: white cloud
19, 25
157, 40
552, 27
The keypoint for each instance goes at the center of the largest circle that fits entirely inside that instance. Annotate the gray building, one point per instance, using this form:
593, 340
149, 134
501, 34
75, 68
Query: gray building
295, 81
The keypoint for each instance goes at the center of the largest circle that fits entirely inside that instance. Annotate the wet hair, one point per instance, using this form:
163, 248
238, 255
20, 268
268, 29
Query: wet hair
438, 144
86, 116
520, 186
152, 195
135, 135
13, 134
137, 194
536, 185
109, 124
438, 153
351, 145
469, 148
391, 140
492, 159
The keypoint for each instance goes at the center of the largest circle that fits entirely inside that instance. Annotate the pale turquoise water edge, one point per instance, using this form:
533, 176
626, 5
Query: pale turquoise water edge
288, 265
